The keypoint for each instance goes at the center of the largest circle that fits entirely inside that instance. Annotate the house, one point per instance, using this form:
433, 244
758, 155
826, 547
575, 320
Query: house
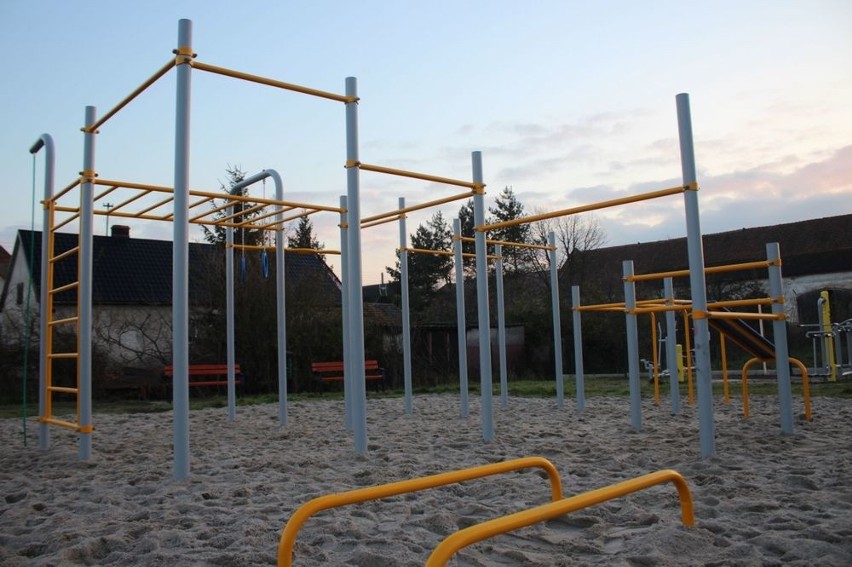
132, 291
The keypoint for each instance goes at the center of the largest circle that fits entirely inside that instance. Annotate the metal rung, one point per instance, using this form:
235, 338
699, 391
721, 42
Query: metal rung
64, 321
63, 355
60, 423
63, 390
66, 287
69, 252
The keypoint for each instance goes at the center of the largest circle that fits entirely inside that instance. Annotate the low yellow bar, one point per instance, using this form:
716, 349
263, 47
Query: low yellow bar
584, 208
63, 321
59, 423
382, 221
460, 539
271, 82
66, 287
745, 315
103, 194
415, 175
658, 275
505, 243
398, 212
162, 71
63, 390
659, 309
132, 185
69, 220
155, 206
427, 251
736, 267
130, 200
740, 302
66, 189
308, 509
63, 355
250, 199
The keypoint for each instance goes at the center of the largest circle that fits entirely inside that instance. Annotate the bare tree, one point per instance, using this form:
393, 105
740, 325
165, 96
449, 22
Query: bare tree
575, 235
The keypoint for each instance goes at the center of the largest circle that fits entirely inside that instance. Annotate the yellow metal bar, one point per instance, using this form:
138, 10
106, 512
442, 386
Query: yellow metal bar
723, 349
132, 185
396, 213
66, 189
305, 511
658, 275
311, 251
415, 175
153, 79
272, 82
63, 390
806, 387
63, 355
584, 208
66, 254
382, 221
740, 302
688, 343
63, 321
505, 243
427, 251
462, 538
60, 423
744, 382
66, 287
103, 194
250, 199
654, 358
745, 315
69, 220
130, 200
659, 309
155, 206
707, 270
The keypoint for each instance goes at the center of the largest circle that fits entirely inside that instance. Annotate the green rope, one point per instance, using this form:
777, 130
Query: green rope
27, 313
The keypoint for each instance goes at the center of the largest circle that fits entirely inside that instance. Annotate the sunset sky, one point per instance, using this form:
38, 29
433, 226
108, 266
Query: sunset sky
570, 102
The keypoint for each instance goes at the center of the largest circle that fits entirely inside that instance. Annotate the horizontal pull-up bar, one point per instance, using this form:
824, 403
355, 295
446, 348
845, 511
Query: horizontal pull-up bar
414, 175
505, 243
271, 82
397, 214
382, 221
735, 315
586, 208
272, 248
153, 79
445, 253
708, 270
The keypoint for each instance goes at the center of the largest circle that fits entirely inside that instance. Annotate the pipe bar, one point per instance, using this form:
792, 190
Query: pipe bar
262, 200
478, 532
67, 253
132, 185
153, 79
155, 206
383, 221
63, 321
60, 423
505, 243
421, 176
66, 189
659, 309
63, 390
271, 248
585, 208
69, 220
708, 270
100, 196
736, 315
130, 200
66, 287
271, 82
740, 302
426, 205
427, 251
63, 355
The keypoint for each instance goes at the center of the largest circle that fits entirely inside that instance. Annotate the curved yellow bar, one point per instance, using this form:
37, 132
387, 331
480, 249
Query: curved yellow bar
308, 509
498, 526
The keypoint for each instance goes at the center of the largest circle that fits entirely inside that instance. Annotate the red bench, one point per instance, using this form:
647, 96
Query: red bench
207, 371
332, 372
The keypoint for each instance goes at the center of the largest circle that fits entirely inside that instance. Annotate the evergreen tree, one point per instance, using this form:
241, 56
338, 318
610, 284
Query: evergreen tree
507, 207
426, 272
467, 230
241, 235
304, 237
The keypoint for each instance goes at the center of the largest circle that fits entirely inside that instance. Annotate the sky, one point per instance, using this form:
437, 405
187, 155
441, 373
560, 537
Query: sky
570, 103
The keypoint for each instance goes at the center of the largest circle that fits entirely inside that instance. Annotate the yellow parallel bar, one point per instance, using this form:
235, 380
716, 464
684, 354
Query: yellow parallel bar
272, 249
64, 321
162, 71
415, 175
272, 82
745, 315
740, 266
505, 243
659, 309
398, 212
103, 194
66, 287
305, 511
426, 251
382, 221
131, 185
658, 275
806, 388
460, 539
126, 202
63, 390
157, 205
66, 189
250, 199
60, 423
585, 208
740, 302
67, 253
69, 220
63, 355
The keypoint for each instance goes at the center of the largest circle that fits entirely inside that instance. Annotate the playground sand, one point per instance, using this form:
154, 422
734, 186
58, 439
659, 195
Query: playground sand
765, 499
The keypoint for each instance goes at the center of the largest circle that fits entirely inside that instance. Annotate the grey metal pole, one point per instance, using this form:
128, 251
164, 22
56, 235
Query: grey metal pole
482, 304
406, 310
578, 349
698, 288
356, 301
501, 326
344, 308
180, 256
461, 325
779, 333
557, 322
84, 297
46, 142
229, 317
671, 346
632, 347
281, 300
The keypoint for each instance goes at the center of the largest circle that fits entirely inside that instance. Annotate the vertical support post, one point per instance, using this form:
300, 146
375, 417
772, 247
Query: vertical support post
406, 309
229, 318
632, 346
180, 256
501, 326
579, 371
461, 325
344, 308
280, 300
671, 346
698, 288
356, 302
779, 333
482, 303
84, 293
557, 321
45, 141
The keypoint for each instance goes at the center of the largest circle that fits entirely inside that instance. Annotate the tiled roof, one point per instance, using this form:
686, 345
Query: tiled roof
138, 271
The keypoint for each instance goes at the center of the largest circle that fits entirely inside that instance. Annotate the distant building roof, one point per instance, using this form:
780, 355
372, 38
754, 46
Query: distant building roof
138, 271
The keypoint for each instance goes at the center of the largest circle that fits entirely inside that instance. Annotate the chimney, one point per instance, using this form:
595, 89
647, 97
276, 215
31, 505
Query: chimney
120, 231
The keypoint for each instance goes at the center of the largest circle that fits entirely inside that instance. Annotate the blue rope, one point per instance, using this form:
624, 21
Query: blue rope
243, 270
264, 264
